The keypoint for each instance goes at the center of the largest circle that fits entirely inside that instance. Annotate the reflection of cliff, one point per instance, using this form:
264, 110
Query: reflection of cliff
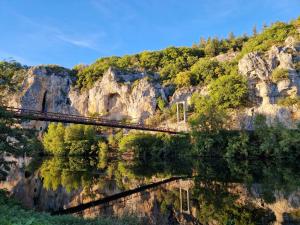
64, 183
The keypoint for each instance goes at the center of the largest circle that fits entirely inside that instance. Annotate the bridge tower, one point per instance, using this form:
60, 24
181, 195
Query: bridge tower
184, 200
183, 103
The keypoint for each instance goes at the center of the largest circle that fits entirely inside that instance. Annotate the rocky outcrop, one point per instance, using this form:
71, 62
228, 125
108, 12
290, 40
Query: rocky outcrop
116, 96
225, 57
123, 96
265, 93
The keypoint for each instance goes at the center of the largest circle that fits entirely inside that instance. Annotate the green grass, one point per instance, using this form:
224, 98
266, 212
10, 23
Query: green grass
280, 74
11, 213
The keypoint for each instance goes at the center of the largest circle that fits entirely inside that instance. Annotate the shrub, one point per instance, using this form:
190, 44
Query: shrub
53, 139
208, 115
114, 139
206, 70
275, 34
73, 139
156, 146
229, 91
185, 79
289, 101
238, 146
161, 103
280, 74
102, 154
167, 62
27, 140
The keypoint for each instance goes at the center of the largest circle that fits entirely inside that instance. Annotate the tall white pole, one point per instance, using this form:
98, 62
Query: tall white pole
177, 112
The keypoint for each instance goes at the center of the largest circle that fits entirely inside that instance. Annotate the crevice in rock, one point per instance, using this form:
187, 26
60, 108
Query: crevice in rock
44, 105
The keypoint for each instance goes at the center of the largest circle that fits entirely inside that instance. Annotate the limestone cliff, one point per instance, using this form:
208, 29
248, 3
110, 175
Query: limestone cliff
134, 96
119, 96
264, 93
115, 96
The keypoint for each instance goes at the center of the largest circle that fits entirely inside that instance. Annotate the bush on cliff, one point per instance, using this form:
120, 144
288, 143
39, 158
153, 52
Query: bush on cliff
280, 74
273, 35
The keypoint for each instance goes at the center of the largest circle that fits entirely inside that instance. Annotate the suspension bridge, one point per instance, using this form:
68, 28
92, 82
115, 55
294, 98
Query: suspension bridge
28, 114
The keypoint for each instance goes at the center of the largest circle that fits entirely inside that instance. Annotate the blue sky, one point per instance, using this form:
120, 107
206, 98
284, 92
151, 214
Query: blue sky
69, 32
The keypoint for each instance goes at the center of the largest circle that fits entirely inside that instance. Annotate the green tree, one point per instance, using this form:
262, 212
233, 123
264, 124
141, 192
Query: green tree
102, 154
205, 70
254, 31
211, 47
185, 79
73, 133
53, 139
208, 116
229, 91
161, 103
73, 140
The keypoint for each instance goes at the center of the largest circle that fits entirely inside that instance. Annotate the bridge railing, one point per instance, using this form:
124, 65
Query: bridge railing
77, 118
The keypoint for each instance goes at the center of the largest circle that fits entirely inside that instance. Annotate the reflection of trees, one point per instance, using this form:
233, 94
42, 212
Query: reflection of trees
74, 172
213, 195
70, 172
214, 202
162, 168
4, 167
271, 176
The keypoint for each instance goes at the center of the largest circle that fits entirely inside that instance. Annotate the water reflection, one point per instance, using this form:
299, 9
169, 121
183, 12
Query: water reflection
209, 191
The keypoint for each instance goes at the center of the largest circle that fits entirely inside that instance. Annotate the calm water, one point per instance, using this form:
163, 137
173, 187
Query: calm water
186, 191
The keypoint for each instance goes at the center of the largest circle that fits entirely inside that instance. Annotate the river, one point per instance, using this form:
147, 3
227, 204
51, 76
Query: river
183, 191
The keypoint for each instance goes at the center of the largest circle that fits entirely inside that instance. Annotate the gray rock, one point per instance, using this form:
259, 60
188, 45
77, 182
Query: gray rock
264, 94
115, 96
254, 66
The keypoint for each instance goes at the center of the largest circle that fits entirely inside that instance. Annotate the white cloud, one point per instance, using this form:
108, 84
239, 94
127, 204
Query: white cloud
42, 31
85, 43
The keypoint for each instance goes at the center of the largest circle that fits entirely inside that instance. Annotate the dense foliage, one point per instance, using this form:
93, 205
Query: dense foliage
71, 140
11, 77
157, 146
273, 35
167, 62
16, 140
264, 142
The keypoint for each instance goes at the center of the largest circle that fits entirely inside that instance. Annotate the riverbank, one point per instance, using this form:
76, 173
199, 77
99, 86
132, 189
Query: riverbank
11, 213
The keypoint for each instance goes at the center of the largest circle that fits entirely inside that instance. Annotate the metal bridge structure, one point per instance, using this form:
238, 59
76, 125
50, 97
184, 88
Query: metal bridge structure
28, 114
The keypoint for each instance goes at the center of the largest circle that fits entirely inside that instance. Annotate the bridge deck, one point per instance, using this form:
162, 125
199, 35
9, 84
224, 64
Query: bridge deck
67, 118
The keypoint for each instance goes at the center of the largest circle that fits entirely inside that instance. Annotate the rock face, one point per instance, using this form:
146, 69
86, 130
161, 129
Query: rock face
44, 91
118, 96
115, 96
265, 93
